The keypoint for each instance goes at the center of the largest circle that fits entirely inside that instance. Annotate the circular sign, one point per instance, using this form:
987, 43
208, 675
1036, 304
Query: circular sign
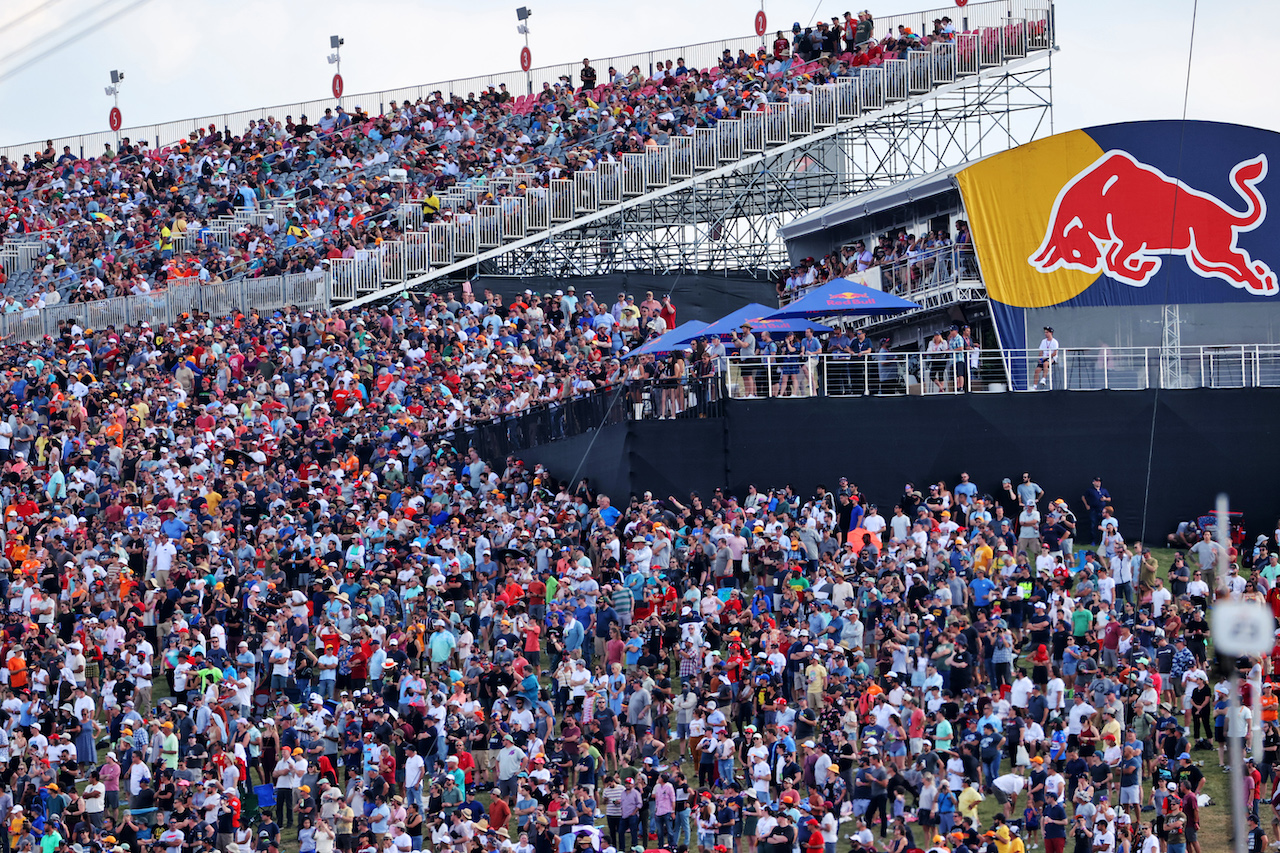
526, 59
762, 23
962, 2
114, 120
1243, 628
337, 85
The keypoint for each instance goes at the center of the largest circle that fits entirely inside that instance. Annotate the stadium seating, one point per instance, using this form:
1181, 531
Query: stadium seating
531, 164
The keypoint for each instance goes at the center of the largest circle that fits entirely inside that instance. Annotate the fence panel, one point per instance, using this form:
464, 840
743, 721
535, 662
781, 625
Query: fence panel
752, 132
586, 192
729, 140
919, 71
705, 145
610, 182
1037, 29
219, 300
490, 226
513, 226
1014, 35
30, 325
465, 244
417, 252
390, 255
633, 174
305, 290
183, 300
681, 157
658, 166
152, 309
990, 47
441, 247
410, 217
895, 80
967, 55
871, 81
266, 294
537, 203
561, 199
801, 108
825, 110
777, 124
943, 62
847, 99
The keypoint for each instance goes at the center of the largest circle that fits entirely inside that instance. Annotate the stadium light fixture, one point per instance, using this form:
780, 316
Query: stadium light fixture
522, 15
335, 58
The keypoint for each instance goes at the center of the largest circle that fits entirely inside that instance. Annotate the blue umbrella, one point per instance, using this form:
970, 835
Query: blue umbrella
759, 317
671, 341
841, 297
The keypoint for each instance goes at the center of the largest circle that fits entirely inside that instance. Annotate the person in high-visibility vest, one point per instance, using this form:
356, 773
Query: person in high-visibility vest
430, 206
166, 242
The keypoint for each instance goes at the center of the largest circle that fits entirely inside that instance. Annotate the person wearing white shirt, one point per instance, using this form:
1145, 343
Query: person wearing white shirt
414, 771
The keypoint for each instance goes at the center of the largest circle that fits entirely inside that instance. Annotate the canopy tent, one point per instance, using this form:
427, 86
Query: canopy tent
671, 341
840, 297
759, 317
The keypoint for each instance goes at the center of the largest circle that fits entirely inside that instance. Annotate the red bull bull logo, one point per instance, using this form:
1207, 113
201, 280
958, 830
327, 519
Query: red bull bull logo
1119, 216
850, 298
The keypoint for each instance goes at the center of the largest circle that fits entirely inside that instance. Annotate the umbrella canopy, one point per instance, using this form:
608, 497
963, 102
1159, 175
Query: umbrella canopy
841, 297
672, 340
759, 317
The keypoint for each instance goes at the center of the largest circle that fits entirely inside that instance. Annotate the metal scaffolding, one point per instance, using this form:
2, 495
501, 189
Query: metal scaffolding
729, 221
725, 217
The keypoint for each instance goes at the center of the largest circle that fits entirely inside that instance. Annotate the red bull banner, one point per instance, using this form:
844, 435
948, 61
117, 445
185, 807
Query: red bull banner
1140, 213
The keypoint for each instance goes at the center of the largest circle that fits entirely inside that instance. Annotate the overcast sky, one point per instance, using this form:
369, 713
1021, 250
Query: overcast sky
1120, 59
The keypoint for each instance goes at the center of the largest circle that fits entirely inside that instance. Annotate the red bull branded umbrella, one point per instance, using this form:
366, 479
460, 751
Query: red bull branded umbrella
841, 297
761, 320
673, 340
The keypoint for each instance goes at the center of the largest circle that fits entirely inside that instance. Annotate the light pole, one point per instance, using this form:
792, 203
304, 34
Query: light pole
335, 59
113, 92
522, 15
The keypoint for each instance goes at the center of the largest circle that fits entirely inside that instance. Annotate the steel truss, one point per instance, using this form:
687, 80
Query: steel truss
727, 219
730, 222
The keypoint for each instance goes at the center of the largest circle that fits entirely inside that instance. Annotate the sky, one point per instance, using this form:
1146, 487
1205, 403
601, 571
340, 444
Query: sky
1119, 60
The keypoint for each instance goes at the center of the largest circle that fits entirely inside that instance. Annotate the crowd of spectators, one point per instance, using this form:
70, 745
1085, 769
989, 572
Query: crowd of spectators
242, 566
127, 221
908, 263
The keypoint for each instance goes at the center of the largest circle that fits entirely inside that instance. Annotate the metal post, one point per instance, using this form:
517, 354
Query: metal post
1235, 745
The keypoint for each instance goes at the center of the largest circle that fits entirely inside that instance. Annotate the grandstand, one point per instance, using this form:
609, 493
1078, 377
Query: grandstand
534, 184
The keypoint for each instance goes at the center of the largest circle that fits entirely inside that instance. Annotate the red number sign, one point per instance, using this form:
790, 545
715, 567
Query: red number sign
762, 23
337, 85
526, 59
114, 119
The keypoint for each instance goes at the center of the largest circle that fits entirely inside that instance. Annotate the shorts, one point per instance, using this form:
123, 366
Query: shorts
610, 745
1001, 797
682, 731
1131, 796
1191, 834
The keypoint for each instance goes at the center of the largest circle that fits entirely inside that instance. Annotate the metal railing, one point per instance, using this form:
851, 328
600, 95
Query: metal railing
995, 372
163, 308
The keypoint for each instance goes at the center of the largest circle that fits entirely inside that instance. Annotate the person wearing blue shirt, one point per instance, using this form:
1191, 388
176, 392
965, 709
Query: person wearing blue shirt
608, 514
981, 588
964, 487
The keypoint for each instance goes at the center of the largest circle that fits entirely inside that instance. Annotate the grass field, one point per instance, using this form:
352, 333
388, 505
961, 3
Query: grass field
1215, 822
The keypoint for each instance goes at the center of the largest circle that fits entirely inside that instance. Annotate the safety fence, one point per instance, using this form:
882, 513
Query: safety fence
999, 18
948, 371
541, 424
166, 307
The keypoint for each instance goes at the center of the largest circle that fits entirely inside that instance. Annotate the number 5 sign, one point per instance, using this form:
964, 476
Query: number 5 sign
1243, 628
